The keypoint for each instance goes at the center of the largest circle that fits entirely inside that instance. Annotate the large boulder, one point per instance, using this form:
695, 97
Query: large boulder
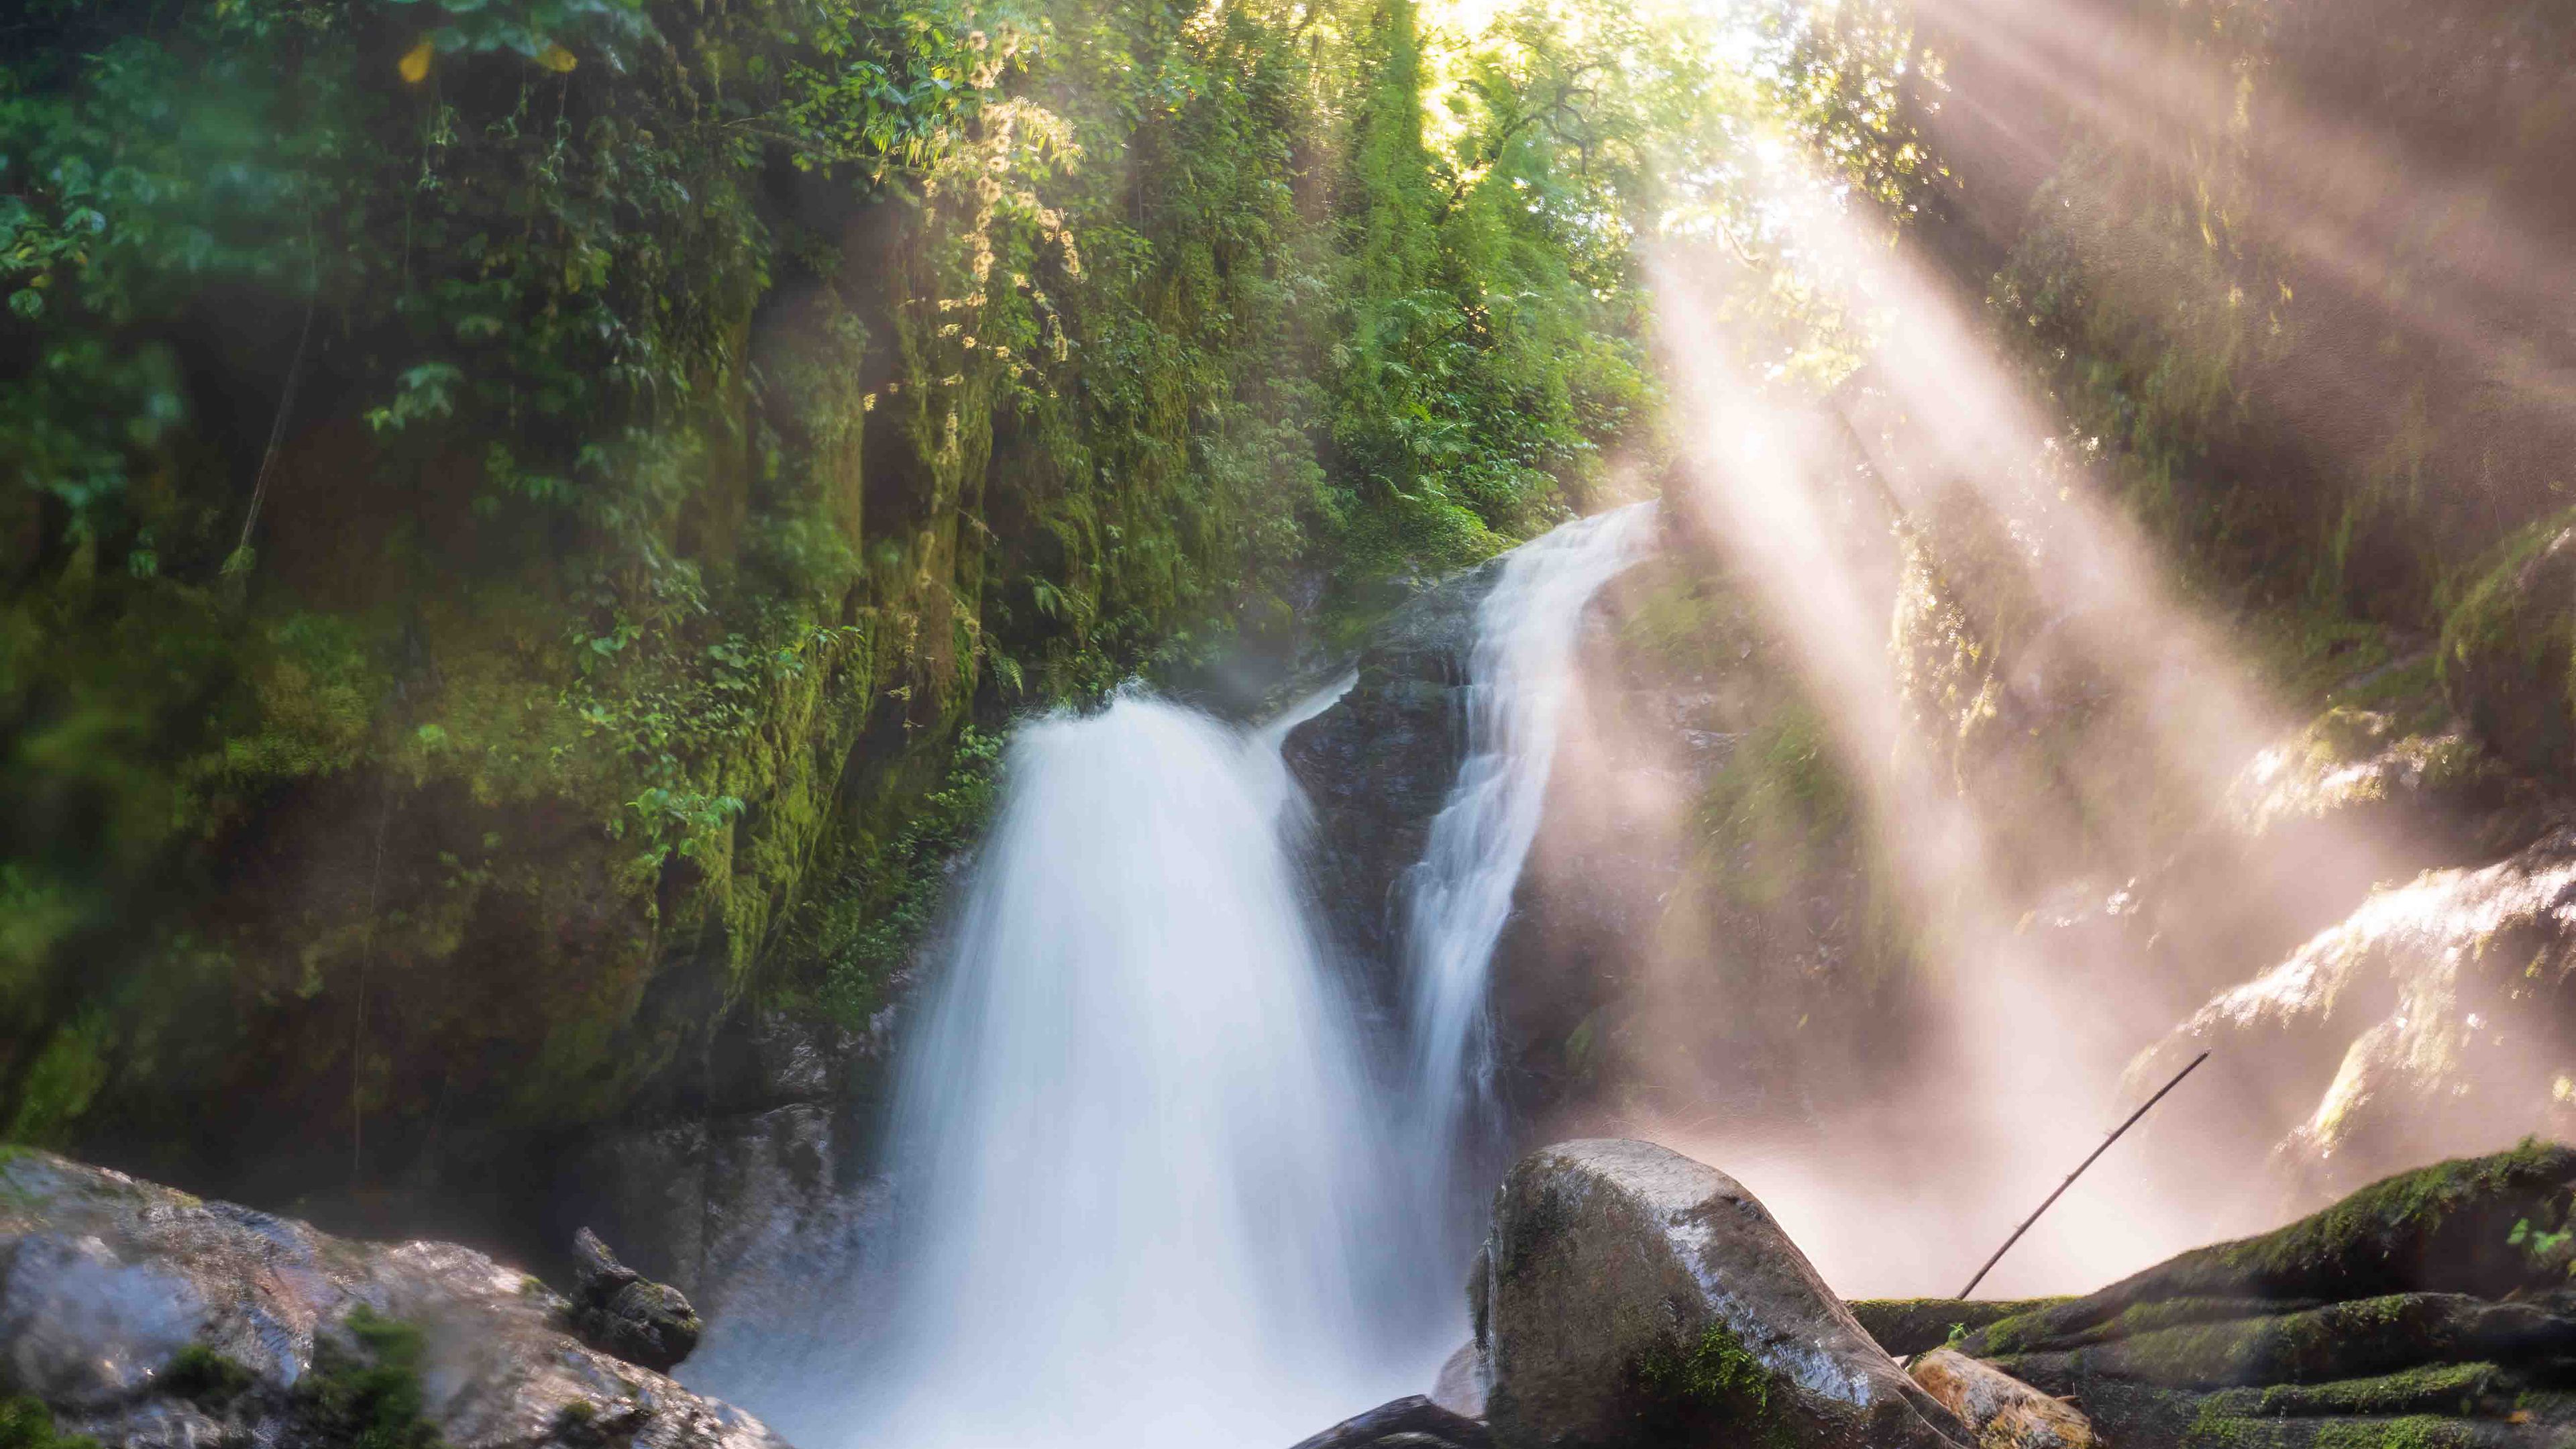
1629, 1296
140, 1315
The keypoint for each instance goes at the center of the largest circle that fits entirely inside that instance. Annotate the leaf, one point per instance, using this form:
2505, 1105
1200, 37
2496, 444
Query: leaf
557, 59
414, 65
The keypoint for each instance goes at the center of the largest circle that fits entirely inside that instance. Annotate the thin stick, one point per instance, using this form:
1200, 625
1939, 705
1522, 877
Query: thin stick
2079, 1172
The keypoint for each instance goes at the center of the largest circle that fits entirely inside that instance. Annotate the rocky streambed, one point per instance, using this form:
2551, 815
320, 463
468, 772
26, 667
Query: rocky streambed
1630, 1298
1626, 1297
136, 1315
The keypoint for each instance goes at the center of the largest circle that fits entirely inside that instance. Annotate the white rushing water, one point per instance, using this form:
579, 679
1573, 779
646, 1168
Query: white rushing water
1142, 1191
1146, 1192
1457, 899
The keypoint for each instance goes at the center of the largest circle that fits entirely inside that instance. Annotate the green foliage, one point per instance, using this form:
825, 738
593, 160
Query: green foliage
25, 1423
540, 506
864, 925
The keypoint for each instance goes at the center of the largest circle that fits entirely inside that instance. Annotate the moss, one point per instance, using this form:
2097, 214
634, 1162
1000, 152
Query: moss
2359, 1339
1714, 1384
2032, 1331
200, 1374
2416, 1229
367, 1396
2454, 1389
2444, 1228
2415, 1431
1908, 1326
2508, 648
25, 1423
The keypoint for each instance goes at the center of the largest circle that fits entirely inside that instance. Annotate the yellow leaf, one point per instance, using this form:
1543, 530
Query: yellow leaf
415, 62
557, 59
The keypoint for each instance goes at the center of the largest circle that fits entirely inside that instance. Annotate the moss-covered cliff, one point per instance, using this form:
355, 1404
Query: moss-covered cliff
514, 508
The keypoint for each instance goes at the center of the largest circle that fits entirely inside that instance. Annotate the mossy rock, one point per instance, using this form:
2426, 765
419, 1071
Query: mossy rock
1631, 1298
2363, 1339
2509, 644
2429, 1309
1908, 1326
2448, 1228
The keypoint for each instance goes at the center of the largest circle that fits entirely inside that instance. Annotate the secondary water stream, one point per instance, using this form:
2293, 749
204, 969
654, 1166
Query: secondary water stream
1148, 1189
1460, 895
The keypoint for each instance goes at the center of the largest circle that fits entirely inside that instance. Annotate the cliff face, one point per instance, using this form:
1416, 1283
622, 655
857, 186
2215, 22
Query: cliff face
516, 512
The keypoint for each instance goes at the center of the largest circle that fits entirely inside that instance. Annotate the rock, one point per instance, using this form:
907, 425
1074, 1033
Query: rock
2445, 1229
619, 1311
2431, 1308
710, 1196
1460, 1387
1408, 1423
2505, 649
1377, 766
144, 1316
2416, 1011
2000, 1410
2363, 1339
1907, 1326
1629, 1296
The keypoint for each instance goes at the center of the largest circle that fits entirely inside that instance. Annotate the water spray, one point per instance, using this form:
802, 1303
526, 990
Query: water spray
2096, 1156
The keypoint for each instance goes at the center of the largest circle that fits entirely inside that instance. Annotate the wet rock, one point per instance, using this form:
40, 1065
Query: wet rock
1378, 765
144, 1316
2422, 1010
1408, 1423
2430, 788
1629, 1296
2000, 1410
708, 1204
619, 1311
1460, 1386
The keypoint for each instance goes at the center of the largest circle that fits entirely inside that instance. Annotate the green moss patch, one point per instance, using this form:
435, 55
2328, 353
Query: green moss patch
205, 1377
369, 1396
1908, 1326
1713, 1385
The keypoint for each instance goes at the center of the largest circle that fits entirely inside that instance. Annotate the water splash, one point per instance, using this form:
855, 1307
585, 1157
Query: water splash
1458, 898
1143, 1198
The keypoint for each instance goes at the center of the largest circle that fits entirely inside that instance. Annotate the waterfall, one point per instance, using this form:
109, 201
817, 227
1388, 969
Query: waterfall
1146, 1190
1142, 1197
1519, 674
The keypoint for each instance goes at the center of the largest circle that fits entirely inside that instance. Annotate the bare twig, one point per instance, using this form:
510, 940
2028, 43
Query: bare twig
286, 399
2079, 1172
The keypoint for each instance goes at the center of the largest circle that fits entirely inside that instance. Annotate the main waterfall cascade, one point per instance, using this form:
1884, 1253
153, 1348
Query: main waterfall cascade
1148, 1188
